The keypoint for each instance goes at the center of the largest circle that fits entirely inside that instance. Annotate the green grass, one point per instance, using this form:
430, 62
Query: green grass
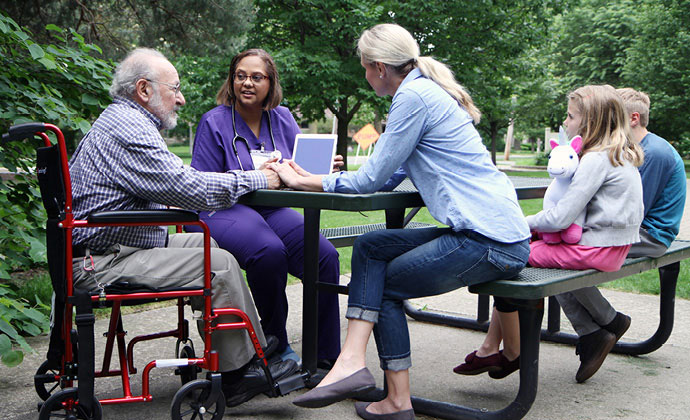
183, 152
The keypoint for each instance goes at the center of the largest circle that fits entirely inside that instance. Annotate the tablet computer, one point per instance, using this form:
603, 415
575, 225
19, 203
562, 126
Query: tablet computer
315, 152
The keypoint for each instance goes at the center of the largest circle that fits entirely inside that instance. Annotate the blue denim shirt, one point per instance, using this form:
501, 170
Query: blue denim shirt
434, 141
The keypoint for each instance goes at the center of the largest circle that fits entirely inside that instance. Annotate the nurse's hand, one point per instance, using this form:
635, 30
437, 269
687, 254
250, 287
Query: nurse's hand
272, 177
338, 163
269, 161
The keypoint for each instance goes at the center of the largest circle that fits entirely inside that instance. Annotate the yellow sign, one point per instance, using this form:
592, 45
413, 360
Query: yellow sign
366, 136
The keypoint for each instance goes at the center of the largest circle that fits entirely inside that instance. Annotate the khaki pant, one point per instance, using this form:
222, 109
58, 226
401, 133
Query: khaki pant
181, 264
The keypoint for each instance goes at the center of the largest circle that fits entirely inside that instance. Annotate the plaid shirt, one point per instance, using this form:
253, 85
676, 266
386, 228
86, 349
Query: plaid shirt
123, 163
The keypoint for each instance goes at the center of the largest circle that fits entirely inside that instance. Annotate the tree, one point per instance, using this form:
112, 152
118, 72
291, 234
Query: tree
193, 27
592, 42
487, 44
658, 63
314, 44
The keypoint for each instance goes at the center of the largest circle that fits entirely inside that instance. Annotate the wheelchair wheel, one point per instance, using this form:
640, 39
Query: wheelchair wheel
187, 373
64, 405
46, 380
188, 402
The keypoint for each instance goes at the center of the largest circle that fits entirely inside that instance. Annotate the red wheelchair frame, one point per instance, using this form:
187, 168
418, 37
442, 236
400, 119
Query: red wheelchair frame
79, 402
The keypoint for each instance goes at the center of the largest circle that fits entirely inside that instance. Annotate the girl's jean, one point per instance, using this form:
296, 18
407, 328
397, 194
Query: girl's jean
389, 266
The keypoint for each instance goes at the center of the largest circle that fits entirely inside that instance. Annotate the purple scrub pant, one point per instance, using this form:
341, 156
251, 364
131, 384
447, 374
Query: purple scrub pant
268, 243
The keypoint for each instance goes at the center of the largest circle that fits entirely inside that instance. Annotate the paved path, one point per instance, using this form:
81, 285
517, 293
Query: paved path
653, 386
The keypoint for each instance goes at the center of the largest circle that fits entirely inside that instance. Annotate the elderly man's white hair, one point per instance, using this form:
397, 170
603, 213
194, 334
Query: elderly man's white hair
137, 65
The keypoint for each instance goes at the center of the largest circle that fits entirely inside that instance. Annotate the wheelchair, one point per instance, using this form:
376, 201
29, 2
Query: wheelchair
65, 381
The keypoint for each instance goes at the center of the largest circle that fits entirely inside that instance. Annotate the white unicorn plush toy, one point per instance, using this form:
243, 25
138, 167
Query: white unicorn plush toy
563, 162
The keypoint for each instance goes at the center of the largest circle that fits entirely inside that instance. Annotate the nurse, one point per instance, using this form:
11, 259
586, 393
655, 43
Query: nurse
247, 129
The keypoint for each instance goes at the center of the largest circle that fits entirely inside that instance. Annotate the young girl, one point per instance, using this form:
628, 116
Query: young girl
606, 184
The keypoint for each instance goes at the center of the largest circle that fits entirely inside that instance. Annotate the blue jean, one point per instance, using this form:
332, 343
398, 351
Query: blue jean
389, 266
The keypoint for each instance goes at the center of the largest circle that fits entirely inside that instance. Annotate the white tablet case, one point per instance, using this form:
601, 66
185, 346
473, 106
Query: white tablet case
315, 152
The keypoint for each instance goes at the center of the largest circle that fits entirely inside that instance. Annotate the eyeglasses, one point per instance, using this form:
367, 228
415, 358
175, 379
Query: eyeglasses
175, 88
256, 78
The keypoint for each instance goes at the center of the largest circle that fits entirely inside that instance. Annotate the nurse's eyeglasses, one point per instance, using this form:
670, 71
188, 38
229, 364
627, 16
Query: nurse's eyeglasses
256, 78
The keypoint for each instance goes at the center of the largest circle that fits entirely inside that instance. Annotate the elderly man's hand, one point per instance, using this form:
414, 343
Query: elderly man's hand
272, 177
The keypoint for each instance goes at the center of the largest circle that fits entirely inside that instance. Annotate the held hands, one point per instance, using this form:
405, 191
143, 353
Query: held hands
290, 173
273, 179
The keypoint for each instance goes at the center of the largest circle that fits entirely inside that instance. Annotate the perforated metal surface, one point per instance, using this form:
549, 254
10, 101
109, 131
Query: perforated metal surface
535, 283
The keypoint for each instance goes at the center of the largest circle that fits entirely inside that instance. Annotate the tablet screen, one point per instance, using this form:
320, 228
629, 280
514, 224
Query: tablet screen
315, 152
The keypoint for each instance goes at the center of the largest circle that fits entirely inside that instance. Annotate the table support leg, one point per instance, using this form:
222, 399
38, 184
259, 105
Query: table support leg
531, 314
310, 307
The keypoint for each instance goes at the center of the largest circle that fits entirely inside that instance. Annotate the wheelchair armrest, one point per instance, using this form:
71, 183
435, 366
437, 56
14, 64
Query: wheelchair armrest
144, 216
22, 131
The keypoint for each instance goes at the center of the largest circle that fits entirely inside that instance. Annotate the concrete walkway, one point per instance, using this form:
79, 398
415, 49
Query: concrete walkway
653, 386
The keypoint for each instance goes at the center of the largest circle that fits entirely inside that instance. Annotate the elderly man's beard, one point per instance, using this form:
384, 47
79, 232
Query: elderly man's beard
168, 118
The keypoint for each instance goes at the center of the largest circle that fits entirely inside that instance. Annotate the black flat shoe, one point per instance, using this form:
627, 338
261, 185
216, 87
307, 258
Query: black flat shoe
254, 381
355, 385
361, 409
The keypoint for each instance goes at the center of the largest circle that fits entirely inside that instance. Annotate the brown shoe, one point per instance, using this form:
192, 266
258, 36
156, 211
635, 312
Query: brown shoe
474, 365
593, 349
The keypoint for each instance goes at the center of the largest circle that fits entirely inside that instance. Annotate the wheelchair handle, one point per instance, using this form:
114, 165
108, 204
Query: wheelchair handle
22, 131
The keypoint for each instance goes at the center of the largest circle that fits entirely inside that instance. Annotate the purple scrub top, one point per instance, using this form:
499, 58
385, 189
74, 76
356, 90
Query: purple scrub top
213, 150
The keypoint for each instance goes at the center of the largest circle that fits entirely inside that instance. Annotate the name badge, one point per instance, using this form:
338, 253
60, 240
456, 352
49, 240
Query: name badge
260, 157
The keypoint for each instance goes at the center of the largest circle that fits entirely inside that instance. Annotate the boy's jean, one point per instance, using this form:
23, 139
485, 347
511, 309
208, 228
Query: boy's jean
389, 266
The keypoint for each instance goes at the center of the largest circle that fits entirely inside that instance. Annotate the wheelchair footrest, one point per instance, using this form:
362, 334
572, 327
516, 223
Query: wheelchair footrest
291, 383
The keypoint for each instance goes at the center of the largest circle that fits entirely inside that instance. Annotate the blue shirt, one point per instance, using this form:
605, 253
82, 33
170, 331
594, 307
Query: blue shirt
213, 151
663, 188
434, 141
123, 163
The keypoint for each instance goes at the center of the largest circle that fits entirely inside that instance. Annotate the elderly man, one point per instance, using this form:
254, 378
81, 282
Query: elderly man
123, 164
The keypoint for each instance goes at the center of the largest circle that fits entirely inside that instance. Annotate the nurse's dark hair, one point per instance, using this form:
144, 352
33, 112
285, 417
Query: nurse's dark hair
226, 94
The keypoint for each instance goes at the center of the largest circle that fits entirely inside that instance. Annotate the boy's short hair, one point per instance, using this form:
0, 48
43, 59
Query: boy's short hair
636, 101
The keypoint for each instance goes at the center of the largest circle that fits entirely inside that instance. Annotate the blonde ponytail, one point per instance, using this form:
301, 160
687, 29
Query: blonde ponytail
441, 74
395, 47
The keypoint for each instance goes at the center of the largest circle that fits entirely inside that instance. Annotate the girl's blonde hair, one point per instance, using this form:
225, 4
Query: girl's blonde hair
605, 125
393, 46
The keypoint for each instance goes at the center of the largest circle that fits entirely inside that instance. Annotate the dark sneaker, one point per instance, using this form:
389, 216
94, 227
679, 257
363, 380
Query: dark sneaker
619, 325
254, 381
593, 349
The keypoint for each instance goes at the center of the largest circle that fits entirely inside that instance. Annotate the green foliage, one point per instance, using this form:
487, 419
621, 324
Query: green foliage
658, 63
314, 44
18, 319
542, 159
57, 83
201, 77
490, 45
643, 45
177, 27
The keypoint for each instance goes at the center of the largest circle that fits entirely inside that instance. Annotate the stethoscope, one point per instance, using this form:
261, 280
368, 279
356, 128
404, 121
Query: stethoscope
275, 153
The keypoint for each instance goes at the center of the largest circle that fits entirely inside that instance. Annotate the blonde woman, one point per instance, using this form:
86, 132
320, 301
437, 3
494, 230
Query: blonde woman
431, 138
